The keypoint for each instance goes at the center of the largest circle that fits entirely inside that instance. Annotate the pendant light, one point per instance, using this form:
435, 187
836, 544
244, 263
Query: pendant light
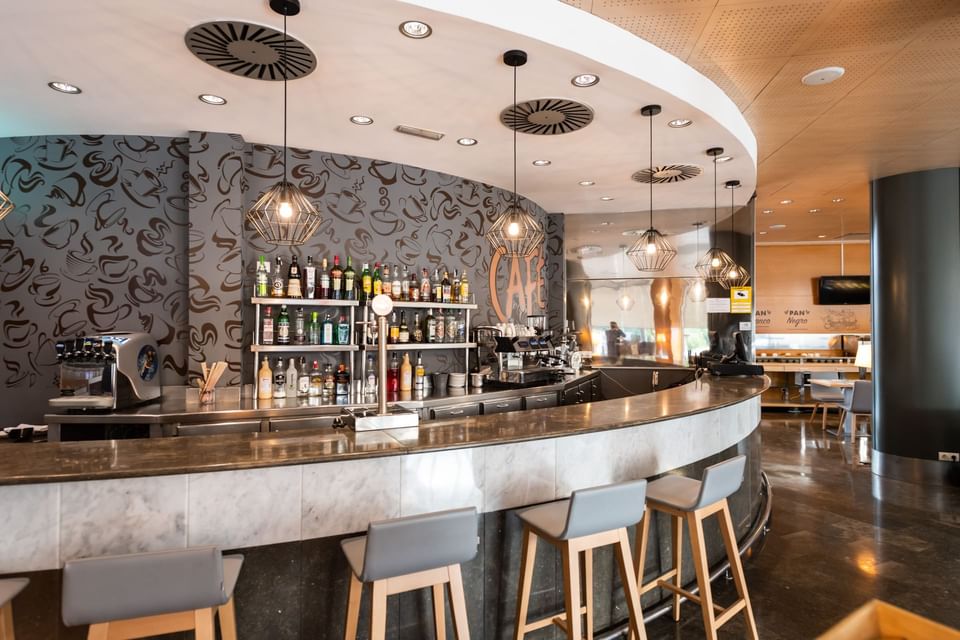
516, 233
6, 205
284, 215
737, 275
715, 263
651, 251
697, 291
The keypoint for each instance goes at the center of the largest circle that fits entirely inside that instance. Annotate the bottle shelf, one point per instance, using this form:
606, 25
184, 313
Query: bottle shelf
399, 304
424, 346
302, 348
304, 302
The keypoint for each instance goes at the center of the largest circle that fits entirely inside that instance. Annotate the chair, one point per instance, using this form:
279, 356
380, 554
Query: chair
857, 402
825, 397
412, 553
146, 594
695, 500
9, 589
591, 518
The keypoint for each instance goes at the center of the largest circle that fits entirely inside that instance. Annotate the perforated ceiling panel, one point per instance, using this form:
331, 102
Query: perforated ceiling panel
870, 24
742, 80
671, 32
758, 30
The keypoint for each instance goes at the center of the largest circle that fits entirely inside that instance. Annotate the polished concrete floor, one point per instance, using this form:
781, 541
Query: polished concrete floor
839, 537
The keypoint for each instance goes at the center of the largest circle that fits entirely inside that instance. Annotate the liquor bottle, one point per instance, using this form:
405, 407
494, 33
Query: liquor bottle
326, 331
394, 328
316, 380
313, 329
294, 290
324, 280
343, 331
445, 288
328, 383
464, 289
419, 373
377, 280
291, 382
349, 281
371, 384
441, 327
279, 380
403, 336
461, 327
406, 374
385, 281
451, 330
303, 379
266, 336
283, 326
310, 279
426, 290
265, 380
263, 278
279, 286
417, 334
366, 283
437, 286
455, 286
430, 322
395, 289
413, 287
336, 279
299, 327
393, 374
342, 380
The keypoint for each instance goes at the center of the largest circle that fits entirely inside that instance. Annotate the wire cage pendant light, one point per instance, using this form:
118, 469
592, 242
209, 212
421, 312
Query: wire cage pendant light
697, 287
516, 233
737, 274
6, 205
716, 263
651, 252
283, 215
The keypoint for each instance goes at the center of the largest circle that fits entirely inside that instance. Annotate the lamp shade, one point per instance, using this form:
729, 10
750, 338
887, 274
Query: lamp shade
516, 233
651, 251
284, 216
736, 276
864, 358
715, 265
6, 205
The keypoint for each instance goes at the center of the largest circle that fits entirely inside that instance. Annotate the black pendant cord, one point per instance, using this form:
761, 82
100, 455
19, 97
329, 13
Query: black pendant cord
515, 139
284, 97
733, 230
715, 194
651, 172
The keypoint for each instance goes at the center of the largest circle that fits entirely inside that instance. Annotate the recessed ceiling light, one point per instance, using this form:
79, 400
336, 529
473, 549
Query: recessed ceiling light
837, 200
587, 183
361, 119
763, 233
541, 163
768, 210
605, 223
680, 123
606, 198
778, 226
64, 87
722, 159
209, 98
467, 142
633, 232
415, 29
585, 80
826, 75
821, 236
815, 210
787, 201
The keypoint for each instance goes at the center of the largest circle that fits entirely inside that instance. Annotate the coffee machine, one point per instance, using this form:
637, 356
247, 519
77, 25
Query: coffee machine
107, 372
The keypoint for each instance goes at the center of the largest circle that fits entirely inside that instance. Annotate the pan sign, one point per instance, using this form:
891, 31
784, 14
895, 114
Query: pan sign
741, 299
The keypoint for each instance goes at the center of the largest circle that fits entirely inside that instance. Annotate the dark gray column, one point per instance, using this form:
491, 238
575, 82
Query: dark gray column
915, 259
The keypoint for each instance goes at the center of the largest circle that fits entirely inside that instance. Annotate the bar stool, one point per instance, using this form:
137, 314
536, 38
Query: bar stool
146, 594
693, 500
591, 518
412, 553
9, 589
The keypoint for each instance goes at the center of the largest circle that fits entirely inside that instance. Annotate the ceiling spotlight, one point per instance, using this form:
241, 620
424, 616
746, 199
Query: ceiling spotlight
605, 223
821, 236
209, 98
778, 226
64, 87
606, 198
837, 200
787, 201
541, 163
815, 210
826, 75
467, 142
361, 119
587, 183
722, 159
415, 29
585, 80
632, 232
763, 233
680, 123
768, 210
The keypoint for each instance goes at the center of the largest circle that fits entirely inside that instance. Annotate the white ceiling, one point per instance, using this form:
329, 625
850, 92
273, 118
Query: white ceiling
138, 78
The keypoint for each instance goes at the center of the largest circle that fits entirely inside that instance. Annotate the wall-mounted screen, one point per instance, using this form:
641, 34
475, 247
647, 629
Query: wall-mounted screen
843, 290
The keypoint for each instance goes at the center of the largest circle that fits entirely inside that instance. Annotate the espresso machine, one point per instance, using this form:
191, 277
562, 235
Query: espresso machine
107, 372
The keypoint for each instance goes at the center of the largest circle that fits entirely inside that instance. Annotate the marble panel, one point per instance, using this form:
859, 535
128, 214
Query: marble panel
343, 497
441, 480
29, 513
130, 515
245, 508
519, 474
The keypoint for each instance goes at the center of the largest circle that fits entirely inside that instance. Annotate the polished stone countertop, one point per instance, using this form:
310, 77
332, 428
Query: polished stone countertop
92, 460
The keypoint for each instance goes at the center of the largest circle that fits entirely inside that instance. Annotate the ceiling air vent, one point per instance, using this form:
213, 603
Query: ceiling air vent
667, 173
249, 50
547, 116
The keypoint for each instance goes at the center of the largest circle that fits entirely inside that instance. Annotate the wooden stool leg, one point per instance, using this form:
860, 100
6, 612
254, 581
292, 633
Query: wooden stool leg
439, 619
736, 566
571, 591
378, 611
695, 525
6, 621
588, 589
630, 589
203, 624
643, 531
814, 414
353, 608
676, 526
99, 631
527, 557
823, 420
228, 620
458, 603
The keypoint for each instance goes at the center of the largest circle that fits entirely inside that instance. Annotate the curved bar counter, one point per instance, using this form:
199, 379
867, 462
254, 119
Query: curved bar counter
287, 498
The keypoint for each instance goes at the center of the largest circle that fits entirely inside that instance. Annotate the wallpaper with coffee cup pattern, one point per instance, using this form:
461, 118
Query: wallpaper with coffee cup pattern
146, 233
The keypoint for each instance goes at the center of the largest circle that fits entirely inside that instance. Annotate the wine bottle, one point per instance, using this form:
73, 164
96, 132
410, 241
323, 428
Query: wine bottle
437, 287
349, 281
293, 280
455, 287
266, 336
445, 288
430, 322
336, 279
395, 288
403, 335
310, 279
324, 280
464, 289
394, 328
416, 335
426, 290
413, 287
283, 326
366, 283
377, 280
385, 281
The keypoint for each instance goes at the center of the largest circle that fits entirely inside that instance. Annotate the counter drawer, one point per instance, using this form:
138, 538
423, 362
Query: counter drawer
219, 428
502, 406
540, 400
306, 422
457, 411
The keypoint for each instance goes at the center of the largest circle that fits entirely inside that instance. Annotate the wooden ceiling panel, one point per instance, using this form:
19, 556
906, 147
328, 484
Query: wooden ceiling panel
871, 24
742, 80
674, 32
